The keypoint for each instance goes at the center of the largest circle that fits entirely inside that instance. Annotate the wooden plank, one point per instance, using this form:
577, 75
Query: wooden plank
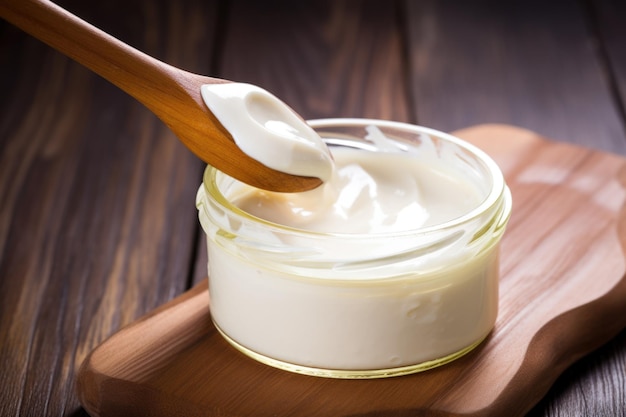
97, 215
608, 19
324, 58
527, 63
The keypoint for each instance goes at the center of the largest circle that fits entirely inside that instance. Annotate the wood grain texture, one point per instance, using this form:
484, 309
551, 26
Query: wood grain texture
93, 190
562, 289
531, 65
527, 63
607, 19
344, 58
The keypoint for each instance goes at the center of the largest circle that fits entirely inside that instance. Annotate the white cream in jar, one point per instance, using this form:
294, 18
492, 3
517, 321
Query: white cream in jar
389, 268
369, 192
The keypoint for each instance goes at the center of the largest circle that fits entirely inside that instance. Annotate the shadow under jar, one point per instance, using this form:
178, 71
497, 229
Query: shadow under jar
361, 305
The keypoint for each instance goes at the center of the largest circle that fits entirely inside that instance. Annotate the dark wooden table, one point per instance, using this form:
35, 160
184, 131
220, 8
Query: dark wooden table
97, 218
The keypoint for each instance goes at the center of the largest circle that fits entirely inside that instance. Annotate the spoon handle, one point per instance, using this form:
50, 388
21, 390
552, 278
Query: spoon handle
170, 93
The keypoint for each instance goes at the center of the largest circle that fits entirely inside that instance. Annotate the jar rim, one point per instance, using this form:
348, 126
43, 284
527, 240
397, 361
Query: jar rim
498, 188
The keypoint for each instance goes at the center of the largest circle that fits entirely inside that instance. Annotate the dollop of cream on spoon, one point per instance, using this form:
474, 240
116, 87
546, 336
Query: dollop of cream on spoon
268, 130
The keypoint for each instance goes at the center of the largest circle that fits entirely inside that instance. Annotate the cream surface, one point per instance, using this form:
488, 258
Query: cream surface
267, 130
369, 192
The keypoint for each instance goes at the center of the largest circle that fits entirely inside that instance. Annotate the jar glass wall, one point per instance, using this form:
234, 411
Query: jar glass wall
359, 305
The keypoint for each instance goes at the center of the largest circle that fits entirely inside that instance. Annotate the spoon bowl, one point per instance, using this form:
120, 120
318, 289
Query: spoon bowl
172, 94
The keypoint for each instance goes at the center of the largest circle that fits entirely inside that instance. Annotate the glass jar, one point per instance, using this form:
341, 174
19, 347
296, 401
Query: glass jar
359, 305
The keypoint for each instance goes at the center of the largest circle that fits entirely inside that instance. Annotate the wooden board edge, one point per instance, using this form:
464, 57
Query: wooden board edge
92, 375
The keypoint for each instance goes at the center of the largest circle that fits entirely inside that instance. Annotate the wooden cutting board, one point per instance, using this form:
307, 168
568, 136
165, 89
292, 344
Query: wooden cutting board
562, 295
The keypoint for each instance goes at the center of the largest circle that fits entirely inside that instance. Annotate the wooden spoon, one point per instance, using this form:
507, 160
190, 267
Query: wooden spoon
170, 93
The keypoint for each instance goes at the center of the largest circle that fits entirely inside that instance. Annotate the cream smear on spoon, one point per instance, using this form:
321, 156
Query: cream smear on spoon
267, 130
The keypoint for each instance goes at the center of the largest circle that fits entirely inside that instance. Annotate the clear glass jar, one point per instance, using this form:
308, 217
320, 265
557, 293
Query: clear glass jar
359, 305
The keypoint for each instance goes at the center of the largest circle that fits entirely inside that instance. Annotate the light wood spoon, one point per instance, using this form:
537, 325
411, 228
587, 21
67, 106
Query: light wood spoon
170, 93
